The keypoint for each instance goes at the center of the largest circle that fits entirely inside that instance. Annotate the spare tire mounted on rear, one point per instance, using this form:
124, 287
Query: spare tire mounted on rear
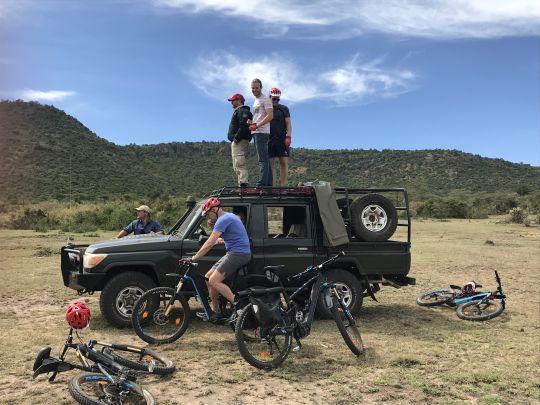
374, 218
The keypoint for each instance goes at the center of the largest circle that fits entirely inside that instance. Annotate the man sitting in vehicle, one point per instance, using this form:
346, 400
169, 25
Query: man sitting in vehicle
142, 225
229, 227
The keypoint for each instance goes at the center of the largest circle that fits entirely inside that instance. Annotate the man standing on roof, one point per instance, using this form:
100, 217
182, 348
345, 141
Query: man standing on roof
239, 136
229, 227
280, 138
260, 128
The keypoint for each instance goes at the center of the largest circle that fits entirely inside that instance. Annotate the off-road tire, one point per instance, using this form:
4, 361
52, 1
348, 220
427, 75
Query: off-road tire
79, 394
347, 326
384, 207
107, 299
435, 298
121, 354
463, 314
350, 284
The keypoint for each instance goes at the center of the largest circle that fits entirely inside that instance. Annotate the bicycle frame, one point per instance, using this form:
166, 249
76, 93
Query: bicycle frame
44, 363
187, 277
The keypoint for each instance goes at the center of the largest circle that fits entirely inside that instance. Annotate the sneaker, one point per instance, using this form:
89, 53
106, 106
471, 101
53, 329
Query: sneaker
202, 315
217, 319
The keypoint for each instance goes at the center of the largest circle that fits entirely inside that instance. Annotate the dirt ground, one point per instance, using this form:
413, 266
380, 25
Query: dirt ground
414, 354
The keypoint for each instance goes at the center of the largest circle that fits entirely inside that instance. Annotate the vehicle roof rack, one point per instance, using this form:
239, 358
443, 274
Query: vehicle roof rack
262, 191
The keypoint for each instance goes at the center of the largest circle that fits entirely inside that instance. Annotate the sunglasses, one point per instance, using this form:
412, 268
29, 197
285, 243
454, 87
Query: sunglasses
275, 98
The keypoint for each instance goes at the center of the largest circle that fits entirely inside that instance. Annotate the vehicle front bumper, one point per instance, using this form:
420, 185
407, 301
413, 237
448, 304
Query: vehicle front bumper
73, 274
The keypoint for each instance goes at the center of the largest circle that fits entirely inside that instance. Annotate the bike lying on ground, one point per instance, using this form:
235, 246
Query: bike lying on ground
111, 372
470, 304
267, 324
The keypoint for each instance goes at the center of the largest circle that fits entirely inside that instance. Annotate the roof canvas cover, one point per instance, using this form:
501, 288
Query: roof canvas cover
334, 227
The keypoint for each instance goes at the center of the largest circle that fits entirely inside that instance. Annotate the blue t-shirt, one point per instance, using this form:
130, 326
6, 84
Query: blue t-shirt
137, 227
233, 233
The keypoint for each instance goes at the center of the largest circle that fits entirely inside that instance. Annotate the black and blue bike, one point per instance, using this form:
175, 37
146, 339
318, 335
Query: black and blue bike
271, 317
470, 304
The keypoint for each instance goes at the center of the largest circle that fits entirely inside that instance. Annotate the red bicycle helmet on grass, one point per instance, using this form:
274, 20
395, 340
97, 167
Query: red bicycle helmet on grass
78, 315
212, 202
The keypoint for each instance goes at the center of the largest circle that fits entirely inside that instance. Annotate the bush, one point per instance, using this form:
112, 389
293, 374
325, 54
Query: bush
33, 218
517, 215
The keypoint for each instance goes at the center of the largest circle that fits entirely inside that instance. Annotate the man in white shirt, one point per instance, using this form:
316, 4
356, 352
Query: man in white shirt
260, 128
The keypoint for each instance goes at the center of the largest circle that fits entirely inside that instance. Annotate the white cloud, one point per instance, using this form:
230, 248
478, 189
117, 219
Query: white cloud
349, 18
38, 95
354, 82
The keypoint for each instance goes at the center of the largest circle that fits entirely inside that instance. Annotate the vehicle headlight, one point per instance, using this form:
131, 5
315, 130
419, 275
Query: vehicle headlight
93, 259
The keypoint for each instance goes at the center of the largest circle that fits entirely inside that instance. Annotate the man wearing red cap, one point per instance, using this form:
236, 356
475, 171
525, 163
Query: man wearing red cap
239, 135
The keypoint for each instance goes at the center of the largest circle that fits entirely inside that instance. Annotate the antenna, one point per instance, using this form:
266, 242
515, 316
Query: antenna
70, 212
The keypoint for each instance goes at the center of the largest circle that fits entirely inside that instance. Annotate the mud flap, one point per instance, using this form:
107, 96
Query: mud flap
370, 289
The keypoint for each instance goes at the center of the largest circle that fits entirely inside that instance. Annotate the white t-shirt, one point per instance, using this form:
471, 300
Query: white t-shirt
260, 106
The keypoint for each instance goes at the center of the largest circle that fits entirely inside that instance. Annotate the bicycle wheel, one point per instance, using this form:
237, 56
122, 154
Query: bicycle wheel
480, 311
435, 297
151, 321
347, 326
96, 389
140, 358
264, 348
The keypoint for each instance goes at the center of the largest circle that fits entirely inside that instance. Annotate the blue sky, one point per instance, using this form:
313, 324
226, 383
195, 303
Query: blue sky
356, 74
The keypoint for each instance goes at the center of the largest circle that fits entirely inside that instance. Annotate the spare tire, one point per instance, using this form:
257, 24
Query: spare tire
374, 218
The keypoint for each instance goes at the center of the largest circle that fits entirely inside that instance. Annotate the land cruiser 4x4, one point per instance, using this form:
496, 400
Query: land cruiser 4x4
295, 227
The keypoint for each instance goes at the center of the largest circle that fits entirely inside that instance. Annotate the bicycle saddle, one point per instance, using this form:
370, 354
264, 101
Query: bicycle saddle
274, 268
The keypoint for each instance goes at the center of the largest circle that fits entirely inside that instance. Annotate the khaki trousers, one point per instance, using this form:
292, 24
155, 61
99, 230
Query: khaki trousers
239, 152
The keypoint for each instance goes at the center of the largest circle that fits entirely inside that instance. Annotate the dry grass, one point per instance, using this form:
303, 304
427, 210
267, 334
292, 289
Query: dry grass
414, 354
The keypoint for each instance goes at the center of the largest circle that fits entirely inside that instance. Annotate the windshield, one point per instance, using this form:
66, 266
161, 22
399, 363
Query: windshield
191, 218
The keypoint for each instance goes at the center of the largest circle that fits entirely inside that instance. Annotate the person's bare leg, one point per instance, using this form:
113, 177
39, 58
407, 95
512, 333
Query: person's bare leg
212, 292
216, 281
273, 168
283, 170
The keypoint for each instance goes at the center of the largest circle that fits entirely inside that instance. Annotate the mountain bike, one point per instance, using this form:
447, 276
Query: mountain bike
162, 314
266, 326
470, 305
111, 372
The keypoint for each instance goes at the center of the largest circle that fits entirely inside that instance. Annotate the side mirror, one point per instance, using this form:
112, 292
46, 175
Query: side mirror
202, 239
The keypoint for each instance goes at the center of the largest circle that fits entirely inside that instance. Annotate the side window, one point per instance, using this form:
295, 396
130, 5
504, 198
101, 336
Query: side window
287, 222
205, 229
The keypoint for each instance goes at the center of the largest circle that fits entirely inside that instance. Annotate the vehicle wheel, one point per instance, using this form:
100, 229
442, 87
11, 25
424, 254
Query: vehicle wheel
120, 295
435, 297
150, 319
140, 358
259, 346
477, 311
350, 288
96, 389
347, 326
374, 218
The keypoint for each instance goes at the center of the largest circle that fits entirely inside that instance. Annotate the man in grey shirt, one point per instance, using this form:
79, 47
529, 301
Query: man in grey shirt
260, 128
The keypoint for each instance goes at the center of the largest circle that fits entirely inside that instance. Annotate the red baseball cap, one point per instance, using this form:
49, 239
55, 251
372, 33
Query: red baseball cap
236, 96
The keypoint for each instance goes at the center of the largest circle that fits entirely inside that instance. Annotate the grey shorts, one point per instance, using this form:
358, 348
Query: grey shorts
232, 262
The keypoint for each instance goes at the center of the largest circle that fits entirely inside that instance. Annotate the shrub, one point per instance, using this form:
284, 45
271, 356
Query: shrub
517, 215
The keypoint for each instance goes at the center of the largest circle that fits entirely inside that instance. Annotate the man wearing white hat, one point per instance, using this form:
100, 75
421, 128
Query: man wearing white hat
143, 224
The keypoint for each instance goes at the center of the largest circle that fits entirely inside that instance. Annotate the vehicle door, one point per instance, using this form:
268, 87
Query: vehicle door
200, 232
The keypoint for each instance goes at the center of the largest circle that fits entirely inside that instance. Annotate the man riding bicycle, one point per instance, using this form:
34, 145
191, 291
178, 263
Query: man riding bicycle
231, 229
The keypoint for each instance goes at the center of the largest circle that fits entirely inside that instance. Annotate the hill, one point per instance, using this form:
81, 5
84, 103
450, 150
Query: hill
43, 150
